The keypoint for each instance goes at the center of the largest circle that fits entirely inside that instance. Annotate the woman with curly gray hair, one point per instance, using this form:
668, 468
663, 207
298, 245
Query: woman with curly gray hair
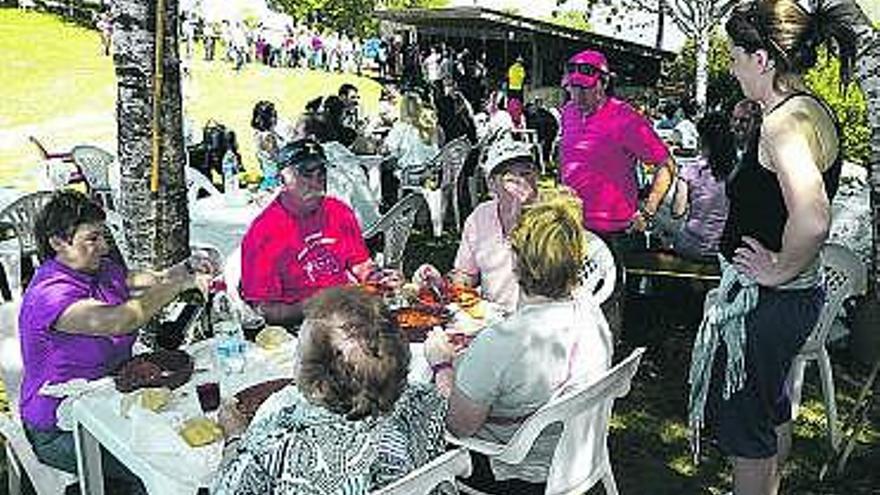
350, 424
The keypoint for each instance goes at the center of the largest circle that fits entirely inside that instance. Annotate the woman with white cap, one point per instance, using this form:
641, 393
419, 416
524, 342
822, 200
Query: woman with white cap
484, 256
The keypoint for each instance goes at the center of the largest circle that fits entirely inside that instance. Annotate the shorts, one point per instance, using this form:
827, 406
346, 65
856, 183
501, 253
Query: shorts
745, 425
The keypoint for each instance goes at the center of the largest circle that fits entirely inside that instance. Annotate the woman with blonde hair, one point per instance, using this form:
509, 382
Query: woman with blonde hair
771, 291
413, 140
553, 340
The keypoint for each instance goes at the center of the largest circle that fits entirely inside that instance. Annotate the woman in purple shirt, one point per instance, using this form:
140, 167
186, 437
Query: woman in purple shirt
78, 317
700, 191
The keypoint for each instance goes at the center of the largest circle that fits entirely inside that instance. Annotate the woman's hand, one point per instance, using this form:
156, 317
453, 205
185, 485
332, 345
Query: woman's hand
230, 419
757, 262
199, 263
438, 349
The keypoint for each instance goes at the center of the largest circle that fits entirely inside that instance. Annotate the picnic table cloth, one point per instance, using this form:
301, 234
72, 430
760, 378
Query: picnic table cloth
221, 223
148, 443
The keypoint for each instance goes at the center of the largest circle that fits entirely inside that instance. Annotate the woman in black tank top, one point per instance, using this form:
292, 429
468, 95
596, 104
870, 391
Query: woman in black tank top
779, 218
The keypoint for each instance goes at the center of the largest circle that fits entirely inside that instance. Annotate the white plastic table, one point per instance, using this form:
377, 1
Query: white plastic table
218, 222
99, 423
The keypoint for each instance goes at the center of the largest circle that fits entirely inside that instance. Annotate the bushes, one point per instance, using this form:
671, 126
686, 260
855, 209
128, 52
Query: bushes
850, 107
823, 80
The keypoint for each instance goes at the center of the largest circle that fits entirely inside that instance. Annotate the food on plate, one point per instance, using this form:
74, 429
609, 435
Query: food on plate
154, 398
162, 368
410, 291
464, 296
250, 399
476, 310
272, 337
416, 321
200, 431
420, 317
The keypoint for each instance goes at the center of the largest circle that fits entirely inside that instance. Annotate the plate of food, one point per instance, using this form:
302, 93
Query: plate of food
162, 368
416, 321
250, 399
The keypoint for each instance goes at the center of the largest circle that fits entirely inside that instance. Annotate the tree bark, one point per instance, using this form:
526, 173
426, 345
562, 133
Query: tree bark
701, 46
156, 225
868, 77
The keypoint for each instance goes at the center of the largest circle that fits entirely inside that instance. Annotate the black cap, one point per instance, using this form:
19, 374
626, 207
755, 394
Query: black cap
304, 154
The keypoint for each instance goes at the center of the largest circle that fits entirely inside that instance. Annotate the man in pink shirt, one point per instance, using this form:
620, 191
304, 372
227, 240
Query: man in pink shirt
303, 242
603, 141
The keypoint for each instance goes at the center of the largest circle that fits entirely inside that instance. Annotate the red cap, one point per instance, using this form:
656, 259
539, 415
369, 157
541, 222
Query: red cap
585, 69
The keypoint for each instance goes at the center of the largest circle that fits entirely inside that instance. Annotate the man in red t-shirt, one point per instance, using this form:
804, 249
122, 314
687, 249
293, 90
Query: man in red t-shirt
302, 242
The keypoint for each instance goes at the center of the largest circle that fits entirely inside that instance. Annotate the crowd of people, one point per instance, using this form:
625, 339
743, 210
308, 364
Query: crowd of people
756, 191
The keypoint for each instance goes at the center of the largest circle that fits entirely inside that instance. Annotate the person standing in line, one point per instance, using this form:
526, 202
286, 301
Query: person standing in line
516, 80
105, 27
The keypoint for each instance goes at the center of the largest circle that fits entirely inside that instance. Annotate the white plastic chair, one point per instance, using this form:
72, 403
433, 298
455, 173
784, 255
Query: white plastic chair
599, 272
21, 215
449, 162
20, 456
845, 276
581, 457
195, 182
530, 137
396, 225
94, 163
423, 480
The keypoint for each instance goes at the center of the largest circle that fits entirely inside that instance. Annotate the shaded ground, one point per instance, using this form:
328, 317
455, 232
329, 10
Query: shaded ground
648, 441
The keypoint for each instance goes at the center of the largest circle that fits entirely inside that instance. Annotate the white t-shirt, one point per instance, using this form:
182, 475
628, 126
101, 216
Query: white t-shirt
405, 143
516, 366
687, 133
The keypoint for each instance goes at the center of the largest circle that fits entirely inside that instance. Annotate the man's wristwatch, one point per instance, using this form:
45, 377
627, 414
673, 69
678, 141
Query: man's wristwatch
648, 217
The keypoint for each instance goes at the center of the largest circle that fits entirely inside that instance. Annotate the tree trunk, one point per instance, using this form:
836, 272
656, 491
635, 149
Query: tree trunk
867, 74
865, 340
661, 25
701, 45
156, 225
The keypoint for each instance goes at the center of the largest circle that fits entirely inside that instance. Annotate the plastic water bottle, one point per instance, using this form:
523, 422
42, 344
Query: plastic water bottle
228, 334
230, 174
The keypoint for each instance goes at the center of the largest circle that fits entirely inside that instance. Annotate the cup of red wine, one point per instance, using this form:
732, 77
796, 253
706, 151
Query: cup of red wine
209, 396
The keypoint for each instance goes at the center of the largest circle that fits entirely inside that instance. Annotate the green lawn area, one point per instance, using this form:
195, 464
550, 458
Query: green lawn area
58, 87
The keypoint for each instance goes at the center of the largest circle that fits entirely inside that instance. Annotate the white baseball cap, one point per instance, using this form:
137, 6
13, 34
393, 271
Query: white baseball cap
505, 149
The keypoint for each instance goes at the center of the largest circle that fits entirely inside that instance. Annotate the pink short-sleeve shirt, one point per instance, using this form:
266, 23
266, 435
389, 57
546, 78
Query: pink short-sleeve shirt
599, 154
484, 252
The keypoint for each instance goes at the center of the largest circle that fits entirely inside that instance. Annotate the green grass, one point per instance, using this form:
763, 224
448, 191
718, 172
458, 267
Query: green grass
59, 87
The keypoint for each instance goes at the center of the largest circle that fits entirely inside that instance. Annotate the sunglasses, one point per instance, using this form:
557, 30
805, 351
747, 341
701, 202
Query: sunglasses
585, 69
312, 172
